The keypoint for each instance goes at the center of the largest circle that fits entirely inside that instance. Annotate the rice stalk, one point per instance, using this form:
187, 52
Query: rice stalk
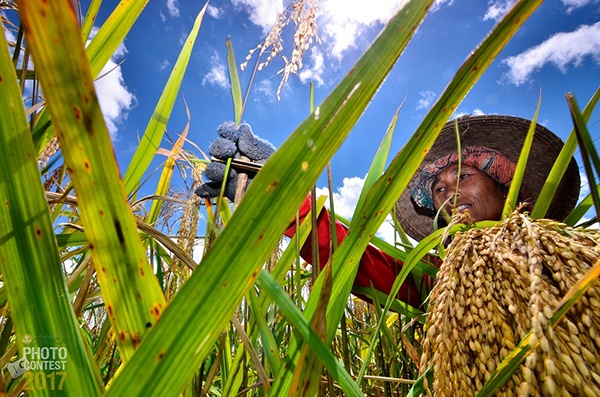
303, 13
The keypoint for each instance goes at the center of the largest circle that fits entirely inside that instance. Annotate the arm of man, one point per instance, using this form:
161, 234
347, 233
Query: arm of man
376, 267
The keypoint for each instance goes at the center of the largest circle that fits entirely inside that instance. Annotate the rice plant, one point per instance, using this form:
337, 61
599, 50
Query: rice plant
97, 292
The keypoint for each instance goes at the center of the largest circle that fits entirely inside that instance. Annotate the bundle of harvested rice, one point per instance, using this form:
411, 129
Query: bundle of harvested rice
497, 284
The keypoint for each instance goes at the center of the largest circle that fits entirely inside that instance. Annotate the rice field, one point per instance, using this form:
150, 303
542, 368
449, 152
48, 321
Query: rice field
98, 297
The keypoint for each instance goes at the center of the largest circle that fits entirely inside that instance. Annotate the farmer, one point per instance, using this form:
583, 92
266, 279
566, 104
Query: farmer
491, 147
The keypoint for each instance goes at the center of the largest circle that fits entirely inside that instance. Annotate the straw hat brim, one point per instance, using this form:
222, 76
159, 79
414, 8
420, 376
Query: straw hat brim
505, 134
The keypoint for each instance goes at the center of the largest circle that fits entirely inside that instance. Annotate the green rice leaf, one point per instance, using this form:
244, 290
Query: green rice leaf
31, 267
394, 252
132, 296
144, 154
110, 35
232, 264
384, 193
379, 161
233, 380
515, 186
90, 18
167, 173
234, 80
418, 388
558, 170
581, 209
586, 145
396, 305
297, 320
345, 259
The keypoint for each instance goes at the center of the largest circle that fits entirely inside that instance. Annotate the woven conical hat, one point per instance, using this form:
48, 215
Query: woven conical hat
505, 134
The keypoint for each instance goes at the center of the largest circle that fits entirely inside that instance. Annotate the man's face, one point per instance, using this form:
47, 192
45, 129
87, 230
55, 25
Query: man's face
477, 193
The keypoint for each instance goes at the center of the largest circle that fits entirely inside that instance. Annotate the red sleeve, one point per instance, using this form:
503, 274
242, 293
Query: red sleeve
375, 266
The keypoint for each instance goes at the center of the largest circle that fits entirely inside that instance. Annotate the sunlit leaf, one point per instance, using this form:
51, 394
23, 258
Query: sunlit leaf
150, 142
132, 296
31, 267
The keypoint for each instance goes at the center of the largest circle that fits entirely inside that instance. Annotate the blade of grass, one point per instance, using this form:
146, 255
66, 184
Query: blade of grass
589, 154
394, 252
560, 166
515, 186
384, 193
131, 293
156, 127
167, 173
418, 388
90, 18
110, 35
233, 377
252, 352
581, 209
348, 260
234, 80
382, 196
31, 267
396, 305
230, 267
297, 320
306, 379
380, 159
422, 249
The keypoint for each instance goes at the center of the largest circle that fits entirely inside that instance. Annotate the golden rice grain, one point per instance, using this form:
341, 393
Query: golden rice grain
498, 284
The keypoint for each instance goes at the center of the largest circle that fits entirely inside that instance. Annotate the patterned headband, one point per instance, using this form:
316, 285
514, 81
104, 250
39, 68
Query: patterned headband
496, 165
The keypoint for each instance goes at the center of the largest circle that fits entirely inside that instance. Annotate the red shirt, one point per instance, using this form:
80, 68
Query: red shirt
376, 267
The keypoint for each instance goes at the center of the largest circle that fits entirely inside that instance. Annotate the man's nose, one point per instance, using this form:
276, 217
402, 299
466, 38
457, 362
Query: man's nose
451, 193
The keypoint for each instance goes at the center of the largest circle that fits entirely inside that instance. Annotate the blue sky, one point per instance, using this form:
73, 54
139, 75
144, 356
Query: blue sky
557, 51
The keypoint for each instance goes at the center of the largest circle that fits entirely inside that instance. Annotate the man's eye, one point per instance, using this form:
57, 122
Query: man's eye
463, 176
438, 190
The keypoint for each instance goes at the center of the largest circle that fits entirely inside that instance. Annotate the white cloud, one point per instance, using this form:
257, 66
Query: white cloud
475, 112
497, 9
316, 70
265, 87
173, 8
574, 4
585, 186
113, 95
345, 200
343, 21
8, 34
218, 73
560, 50
438, 3
346, 197
164, 64
263, 13
214, 12
427, 98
